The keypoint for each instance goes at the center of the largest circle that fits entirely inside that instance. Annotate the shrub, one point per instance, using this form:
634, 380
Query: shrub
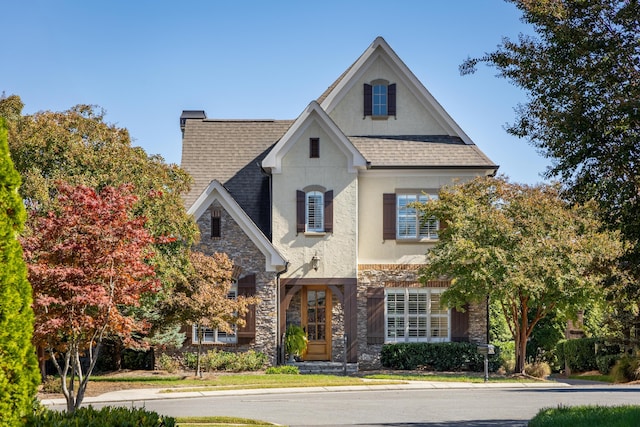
168, 363
189, 360
581, 355
217, 360
538, 369
507, 355
51, 384
283, 369
626, 369
606, 362
453, 356
105, 417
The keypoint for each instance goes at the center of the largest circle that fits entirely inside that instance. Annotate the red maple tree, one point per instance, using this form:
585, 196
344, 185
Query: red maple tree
87, 262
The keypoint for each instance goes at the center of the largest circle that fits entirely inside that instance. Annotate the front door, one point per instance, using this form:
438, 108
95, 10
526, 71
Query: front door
316, 320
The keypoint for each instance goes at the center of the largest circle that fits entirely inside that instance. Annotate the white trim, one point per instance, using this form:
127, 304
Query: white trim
428, 316
313, 112
380, 49
274, 261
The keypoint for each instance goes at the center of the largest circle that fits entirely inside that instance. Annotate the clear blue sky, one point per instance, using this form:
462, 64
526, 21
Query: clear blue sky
145, 61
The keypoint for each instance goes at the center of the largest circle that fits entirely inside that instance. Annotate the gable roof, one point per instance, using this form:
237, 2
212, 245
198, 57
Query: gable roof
380, 49
216, 191
230, 151
313, 112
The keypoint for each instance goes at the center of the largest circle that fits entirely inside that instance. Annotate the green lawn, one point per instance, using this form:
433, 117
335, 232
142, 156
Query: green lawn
588, 416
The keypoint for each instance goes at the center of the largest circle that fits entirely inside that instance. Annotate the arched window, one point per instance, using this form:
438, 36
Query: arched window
314, 210
379, 98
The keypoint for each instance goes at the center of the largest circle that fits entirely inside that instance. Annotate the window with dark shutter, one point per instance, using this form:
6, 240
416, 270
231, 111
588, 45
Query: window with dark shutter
375, 315
314, 148
389, 216
328, 211
247, 288
300, 211
368, 100
391, 100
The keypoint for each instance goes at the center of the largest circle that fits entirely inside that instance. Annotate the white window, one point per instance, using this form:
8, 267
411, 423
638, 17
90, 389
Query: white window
314, 208
215, 336
415, 315
410, 224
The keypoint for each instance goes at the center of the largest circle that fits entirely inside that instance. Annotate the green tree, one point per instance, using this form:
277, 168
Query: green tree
78, 147
524, 246
581, 73
203, 298
18, 363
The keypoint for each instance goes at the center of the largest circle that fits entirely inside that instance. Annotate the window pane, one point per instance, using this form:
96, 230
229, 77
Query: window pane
380, 100
407, 216
315, 211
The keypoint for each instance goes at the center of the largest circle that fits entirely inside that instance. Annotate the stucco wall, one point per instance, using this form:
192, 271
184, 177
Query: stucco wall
337, 251
412, 117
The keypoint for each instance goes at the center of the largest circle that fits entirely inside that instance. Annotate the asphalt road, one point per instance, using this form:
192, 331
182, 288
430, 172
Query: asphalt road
500, 407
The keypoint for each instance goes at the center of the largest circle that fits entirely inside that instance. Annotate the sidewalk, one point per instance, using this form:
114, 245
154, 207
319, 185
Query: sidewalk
158, 394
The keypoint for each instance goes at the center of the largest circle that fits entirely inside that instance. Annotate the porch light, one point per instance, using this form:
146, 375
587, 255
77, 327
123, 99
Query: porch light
314, 261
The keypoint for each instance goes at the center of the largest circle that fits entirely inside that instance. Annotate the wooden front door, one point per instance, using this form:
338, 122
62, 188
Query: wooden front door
316, 320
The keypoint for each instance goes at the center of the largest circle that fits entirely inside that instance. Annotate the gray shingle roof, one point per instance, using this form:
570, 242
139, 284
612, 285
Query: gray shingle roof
420, 151
231, 152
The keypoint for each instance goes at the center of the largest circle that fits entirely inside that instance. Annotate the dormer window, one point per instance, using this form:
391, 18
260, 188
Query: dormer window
379, 99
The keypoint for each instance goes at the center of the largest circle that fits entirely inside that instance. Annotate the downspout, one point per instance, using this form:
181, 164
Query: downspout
278, 308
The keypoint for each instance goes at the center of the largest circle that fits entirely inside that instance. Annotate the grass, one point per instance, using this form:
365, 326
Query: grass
219, 421
447, 378
234, 382
601, 378
588, 416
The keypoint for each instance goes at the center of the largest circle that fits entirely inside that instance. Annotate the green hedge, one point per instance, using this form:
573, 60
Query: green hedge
217, 360
451, 356
587, 354
105, 417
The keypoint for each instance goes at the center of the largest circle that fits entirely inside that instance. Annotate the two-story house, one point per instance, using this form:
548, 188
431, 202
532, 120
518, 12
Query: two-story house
315, 213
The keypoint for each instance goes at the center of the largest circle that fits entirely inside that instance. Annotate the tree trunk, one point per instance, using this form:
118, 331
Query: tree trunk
521, 347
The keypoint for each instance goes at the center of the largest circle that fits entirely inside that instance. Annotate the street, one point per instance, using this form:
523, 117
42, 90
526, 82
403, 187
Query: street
419, 407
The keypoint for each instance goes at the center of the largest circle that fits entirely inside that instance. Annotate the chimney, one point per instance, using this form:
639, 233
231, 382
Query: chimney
191, 114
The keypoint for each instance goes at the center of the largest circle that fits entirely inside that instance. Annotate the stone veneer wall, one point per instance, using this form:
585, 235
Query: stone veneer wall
241, 250
400, 275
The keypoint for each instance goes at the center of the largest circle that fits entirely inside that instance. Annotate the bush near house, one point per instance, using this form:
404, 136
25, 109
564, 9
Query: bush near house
451, 356
216, 360
587, 354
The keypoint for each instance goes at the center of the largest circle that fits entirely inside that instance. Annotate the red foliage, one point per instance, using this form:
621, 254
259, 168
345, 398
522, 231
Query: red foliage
87, 264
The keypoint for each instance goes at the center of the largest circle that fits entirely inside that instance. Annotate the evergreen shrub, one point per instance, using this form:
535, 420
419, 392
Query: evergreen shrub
450, 356
105, 417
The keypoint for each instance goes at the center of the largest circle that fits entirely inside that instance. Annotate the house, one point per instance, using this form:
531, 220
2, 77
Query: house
314, 213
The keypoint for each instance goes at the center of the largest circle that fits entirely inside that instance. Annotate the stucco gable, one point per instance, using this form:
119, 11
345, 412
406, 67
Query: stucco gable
380, 51
216, 191
313, 113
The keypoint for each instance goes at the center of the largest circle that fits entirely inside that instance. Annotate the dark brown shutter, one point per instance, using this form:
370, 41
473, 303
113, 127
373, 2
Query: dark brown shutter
247, 288
368, 100
328, 211
314, 148
375, 315
389, 216
460, 325
391, 100
300, 212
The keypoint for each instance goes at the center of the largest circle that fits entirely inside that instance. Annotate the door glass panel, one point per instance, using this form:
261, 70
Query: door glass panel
316, 301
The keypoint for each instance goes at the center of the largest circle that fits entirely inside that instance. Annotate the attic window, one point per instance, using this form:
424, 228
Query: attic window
314, 148
216, 225
379, 99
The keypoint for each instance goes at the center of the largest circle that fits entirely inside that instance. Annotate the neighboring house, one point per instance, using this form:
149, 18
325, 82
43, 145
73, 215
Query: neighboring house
314, 213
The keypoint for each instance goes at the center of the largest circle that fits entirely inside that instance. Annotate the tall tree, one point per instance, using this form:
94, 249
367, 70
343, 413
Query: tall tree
18, 365
203, 298
524, 247
581, 74
77, 146
87, 261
